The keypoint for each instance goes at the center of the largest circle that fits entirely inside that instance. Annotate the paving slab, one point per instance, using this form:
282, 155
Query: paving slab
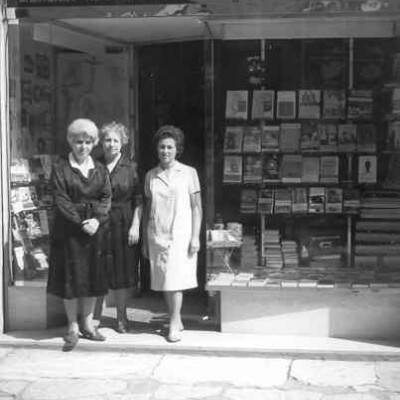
237, 371
334, 373
389, 375
183, 392
13, 387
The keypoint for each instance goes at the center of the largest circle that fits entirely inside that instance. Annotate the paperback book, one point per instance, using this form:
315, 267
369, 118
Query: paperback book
263, 104
367, 169
310, 170
334, 104
329, 137
266, 201
292, 167
299, 200
290, 137
286, 105
329, 169
271, 167
233, 169
359, 104
252, 139
309, 104
270, 137
236, 104
310, 136
366, 137
233, 139
347, 137
316, 200
334, 200
252, 169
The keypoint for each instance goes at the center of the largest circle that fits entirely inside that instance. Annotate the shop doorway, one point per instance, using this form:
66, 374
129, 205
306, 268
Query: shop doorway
171, 91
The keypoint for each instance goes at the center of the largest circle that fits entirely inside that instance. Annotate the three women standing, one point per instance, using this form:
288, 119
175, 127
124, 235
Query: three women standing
124, 219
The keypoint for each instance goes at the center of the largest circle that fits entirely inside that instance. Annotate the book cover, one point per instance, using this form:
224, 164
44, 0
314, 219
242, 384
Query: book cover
299, 200
334, 104
359, 104
329, 137
366, 137
248, 201
252, 169
329, 169
283, 201
252, 139
233, 139
233, 169
266, 201
263, 104
311, 170
367, 169
290, 137
286, 104
236, 104
270, 137
271, 167
33, 223
393, 135
309, 104
316, 200
292, 166
347, 137
310, 136
334, 200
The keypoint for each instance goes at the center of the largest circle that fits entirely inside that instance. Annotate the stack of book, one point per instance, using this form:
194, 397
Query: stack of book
272, 249
290, 254
283, 201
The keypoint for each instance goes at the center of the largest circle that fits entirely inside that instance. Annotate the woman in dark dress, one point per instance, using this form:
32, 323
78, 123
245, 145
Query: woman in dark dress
82, 194
125, 216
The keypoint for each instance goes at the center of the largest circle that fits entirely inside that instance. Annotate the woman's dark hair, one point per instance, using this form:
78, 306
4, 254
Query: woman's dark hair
170, 131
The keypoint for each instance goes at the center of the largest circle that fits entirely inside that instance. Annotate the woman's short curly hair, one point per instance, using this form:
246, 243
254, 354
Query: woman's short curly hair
116, 127
82, 126
173, 132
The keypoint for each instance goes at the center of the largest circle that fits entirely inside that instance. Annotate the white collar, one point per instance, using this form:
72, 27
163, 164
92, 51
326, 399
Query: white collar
87, 165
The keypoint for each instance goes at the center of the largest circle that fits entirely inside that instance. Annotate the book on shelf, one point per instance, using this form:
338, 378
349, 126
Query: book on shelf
310, 136
291, 170
286, 104
270, 137
252, 139
334, 104
329, 137
366, 137
311, 169
316, 200
334, 200
271, 165
233, 139
233, 169
248, 201
252, 168
20, 171
299, 200
309, 104
33, 223
367, 169
263, 104
329, 169
266, 201
359, 104
283, 201
351, 200
393, 135
23, 198
236, 104
290, 137
347, 137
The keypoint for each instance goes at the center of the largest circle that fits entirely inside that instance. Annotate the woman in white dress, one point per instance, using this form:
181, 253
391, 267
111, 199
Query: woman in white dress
172, 220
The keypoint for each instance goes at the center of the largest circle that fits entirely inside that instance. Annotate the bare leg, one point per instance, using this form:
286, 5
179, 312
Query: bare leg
174, 302
121, 298
71, 309
88, 304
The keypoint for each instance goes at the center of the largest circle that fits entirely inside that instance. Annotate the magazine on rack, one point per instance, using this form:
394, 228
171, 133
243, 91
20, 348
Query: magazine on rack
252, 139
367, 169
233, 139
347, 137
309, 104
236, 104
270, 137
334, 104
310, 136
286, 105
263, 104
290, 137
232, 169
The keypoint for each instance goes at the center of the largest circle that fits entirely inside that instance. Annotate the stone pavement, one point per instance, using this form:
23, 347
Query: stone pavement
32, 367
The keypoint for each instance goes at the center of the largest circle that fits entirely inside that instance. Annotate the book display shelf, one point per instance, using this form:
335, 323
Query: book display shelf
307, 152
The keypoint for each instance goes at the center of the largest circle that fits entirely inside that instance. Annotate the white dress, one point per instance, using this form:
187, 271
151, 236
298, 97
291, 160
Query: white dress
170, 227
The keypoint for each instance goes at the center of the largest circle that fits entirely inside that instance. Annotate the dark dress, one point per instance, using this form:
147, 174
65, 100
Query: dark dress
77, 260
123, 260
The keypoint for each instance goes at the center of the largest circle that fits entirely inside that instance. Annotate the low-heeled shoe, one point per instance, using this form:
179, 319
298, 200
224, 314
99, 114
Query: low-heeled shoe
95, 335
71, 340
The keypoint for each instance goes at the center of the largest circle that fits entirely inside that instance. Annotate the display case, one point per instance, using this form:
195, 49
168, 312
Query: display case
305, 162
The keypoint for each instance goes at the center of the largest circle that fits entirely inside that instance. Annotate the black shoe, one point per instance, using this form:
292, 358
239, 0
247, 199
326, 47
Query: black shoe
94, 335
71, 340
